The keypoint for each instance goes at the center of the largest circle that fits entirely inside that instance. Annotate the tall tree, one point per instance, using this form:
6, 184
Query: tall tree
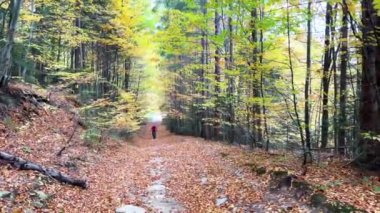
291, 67
5, 53
256, 109
218, 70
326, 76
369, 148
343, 80
205, 132
308, 78
231, 78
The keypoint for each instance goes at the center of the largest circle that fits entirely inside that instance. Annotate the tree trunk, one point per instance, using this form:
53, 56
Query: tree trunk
127, 73
30, 37
369, 148
205, 132
218, 74
27, 165
78, 50
326, 78
334, 69
231, 80
298, 120
343, 81
263, 104
5, 53
308, 79
255, 79
78, 55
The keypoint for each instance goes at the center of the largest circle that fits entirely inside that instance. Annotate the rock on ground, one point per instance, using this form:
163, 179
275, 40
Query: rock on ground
130, 209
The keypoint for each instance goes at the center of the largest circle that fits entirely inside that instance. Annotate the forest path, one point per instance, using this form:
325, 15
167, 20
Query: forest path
188, 174
156, 194
170, 174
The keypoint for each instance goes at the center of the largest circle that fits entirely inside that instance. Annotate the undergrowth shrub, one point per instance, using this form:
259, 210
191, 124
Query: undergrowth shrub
92, 137
10, 123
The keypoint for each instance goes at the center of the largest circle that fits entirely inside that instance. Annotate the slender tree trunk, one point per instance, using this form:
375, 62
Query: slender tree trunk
334, 70
127, 73
3, 21
59, 47
78, 50
218, 74
326, 77
206, 127
262, 89
30, 37
231, 80
78, 56
256, 109
298, 120
343, 81
308, 79
5, 53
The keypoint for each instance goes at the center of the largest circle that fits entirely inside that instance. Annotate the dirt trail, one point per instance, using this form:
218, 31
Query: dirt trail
156, 197
170, 174
187, 174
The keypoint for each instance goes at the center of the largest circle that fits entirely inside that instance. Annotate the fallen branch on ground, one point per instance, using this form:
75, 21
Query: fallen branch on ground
27, 165
71, 137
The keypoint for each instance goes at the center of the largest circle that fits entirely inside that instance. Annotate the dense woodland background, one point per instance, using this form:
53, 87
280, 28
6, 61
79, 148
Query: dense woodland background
301, 75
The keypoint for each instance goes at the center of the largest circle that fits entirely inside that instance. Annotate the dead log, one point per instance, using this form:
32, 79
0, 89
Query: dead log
27, 165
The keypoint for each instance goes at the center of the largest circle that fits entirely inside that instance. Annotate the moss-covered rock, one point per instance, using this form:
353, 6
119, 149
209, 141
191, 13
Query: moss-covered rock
252, 166
261, 170
277, 180
279, 174
301, 189
318, 199
340, 207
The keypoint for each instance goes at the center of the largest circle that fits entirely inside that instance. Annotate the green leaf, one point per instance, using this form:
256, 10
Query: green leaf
376, 189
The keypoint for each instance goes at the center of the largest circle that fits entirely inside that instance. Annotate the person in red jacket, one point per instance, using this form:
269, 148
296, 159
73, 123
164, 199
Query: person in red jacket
154, 131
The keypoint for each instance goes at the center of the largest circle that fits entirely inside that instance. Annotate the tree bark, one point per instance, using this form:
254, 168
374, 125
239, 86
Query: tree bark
326, 77
256, 109
231, 79
78, 64
263, 104
5, 53
368, 147
27, 165
343, 81
308, 79
218, 74
127, 73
